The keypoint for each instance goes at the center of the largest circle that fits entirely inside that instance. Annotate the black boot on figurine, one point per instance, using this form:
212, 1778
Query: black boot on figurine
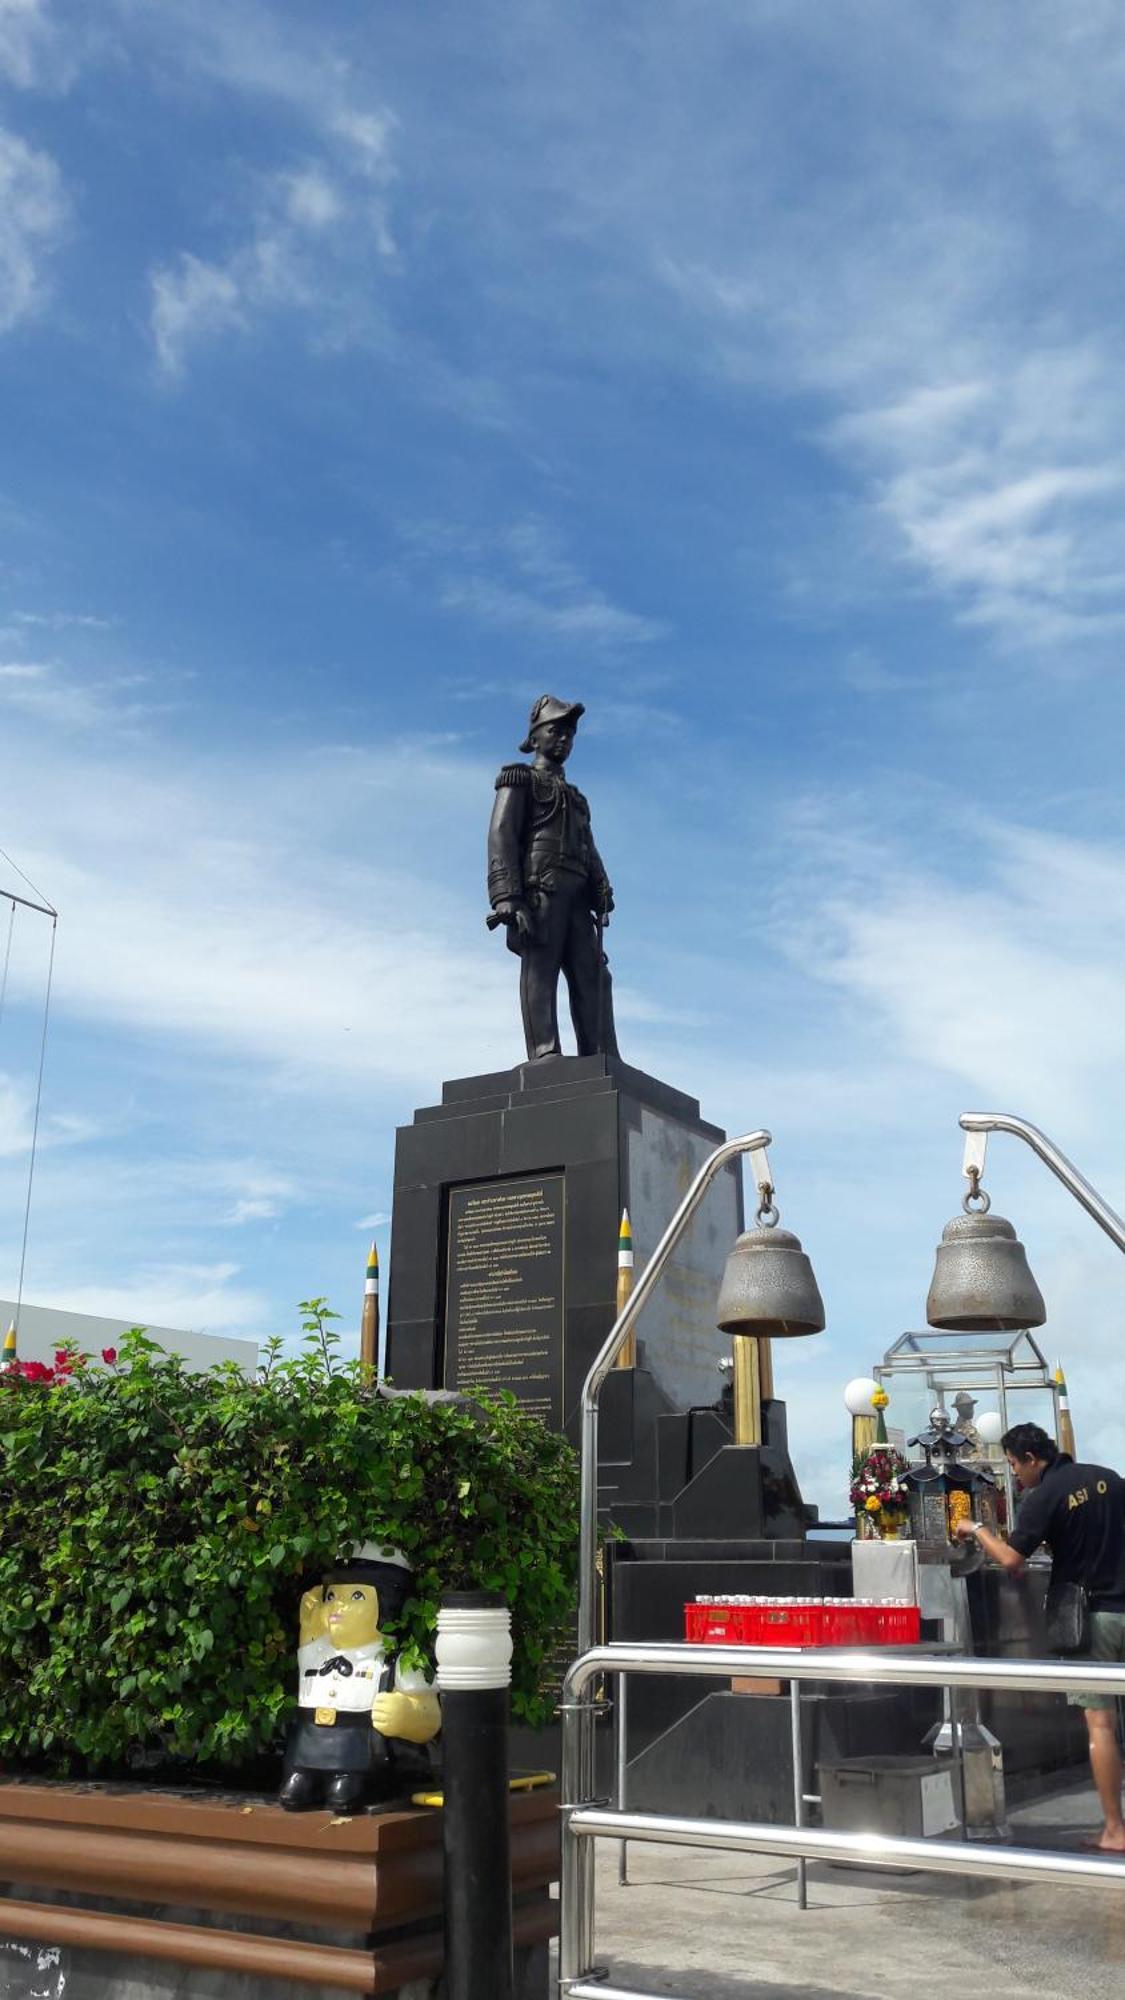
300, 1791
347, 1792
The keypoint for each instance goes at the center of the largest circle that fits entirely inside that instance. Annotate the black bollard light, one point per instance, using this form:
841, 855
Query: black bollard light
474, 1670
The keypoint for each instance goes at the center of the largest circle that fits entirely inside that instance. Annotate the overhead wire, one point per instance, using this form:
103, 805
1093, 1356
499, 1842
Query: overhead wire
38, 1103
47, 908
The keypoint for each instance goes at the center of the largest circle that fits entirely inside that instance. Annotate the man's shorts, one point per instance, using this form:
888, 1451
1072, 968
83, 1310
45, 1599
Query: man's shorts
1107, 1643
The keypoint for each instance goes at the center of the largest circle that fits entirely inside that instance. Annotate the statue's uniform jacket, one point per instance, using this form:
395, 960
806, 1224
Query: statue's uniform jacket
540, 830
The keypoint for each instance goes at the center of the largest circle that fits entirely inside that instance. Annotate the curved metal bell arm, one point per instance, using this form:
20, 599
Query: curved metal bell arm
983, 1122
754, 1143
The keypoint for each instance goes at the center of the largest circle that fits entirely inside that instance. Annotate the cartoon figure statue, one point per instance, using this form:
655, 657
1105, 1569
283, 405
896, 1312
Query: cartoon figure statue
364, 1719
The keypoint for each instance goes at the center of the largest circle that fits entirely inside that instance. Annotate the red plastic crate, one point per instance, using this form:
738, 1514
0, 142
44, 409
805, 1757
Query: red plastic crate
792, 1623
784, 1624
840, 1625
902, 1624
715, 1624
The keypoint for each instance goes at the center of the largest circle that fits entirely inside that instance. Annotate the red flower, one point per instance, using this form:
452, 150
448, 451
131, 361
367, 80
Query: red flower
64, 1362
35, 1371
109, 1356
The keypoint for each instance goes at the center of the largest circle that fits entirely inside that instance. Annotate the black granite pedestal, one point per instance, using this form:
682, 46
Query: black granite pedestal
507, 1202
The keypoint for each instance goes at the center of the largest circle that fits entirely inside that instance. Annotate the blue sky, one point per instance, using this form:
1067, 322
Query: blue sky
751, 372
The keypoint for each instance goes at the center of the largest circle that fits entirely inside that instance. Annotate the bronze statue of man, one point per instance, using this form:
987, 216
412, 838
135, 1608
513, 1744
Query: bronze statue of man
547, 884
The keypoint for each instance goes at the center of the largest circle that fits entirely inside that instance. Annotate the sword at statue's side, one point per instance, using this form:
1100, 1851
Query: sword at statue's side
600, 922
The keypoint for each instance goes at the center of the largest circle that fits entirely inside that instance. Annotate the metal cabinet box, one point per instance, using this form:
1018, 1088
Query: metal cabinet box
904, 1798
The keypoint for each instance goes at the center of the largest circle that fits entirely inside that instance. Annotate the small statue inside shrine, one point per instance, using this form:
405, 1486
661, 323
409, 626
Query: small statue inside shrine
365, 1720
965, 1407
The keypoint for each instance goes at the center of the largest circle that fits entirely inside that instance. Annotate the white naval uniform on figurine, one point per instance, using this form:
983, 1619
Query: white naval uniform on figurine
352, 1693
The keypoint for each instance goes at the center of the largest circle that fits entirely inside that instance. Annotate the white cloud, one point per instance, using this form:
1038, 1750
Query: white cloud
33, 213
1001, 495
259, 1196
199, 1298
313, 233
918, 254
283, 60
192, 301
43, 690
312, 200
63, 620
520, 579
266, 928
1004, 977
25, 34
17, 1108
17, 1122
306, 249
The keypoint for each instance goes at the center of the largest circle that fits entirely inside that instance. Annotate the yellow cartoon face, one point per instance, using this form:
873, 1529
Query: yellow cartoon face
314, 1615
352, 1610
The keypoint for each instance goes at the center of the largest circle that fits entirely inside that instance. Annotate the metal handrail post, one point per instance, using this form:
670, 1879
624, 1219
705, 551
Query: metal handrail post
583, 1720
798, 1786
621, 1721
1063, 1169
576, 1885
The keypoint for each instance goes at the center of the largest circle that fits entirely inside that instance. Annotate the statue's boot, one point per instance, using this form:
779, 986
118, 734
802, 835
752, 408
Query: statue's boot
300, 1791
346, 1792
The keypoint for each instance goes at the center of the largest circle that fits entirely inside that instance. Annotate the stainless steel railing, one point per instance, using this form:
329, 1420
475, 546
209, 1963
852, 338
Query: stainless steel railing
585, 1819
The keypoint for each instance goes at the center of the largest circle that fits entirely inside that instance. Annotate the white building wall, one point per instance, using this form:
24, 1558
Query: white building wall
43, 1329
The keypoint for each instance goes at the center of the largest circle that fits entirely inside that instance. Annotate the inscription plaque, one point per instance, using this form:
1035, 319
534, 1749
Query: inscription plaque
504, 1291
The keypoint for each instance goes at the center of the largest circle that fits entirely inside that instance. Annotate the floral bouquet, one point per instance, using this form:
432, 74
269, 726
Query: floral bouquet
879, 1487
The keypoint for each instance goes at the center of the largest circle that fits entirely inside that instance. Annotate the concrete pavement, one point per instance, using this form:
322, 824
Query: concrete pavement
700, 1926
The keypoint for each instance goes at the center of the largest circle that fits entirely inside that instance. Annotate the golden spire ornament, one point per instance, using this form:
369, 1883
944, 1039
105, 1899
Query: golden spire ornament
369, 1325
625, 1278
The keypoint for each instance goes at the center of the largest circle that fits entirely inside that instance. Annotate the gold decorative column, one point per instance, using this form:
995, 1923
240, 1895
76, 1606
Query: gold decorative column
1066, 1421
747, 1384
369, 1325
863, 1435
628, 1355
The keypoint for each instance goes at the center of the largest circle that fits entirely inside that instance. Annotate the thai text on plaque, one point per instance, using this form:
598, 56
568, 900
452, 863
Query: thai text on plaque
504, 1290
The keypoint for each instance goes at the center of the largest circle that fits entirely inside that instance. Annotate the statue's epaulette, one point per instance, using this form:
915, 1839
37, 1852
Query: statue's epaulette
514, 774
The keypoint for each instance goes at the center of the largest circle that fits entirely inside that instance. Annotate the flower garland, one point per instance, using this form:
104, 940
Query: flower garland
879, 1480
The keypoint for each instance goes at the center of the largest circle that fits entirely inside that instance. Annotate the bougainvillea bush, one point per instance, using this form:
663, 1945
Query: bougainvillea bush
157, 1527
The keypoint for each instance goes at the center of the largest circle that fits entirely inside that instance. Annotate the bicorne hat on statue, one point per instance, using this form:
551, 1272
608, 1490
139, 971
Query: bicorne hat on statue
549, 708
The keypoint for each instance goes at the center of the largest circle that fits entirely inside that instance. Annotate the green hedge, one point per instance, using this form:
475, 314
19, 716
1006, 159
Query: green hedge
157, 1527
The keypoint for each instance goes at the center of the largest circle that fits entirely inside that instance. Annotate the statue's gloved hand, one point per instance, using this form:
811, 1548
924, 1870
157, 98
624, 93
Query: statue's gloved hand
414, 1717
515, 912
604, 902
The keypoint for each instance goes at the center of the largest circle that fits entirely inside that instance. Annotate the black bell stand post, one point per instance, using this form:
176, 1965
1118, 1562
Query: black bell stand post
474, 1654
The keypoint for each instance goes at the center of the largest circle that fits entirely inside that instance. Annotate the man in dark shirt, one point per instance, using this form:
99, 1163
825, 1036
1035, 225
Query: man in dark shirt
1079, 1512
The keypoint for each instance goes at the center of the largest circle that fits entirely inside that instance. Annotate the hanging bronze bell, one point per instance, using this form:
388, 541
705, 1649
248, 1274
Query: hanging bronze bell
768, 1287
982, 1282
